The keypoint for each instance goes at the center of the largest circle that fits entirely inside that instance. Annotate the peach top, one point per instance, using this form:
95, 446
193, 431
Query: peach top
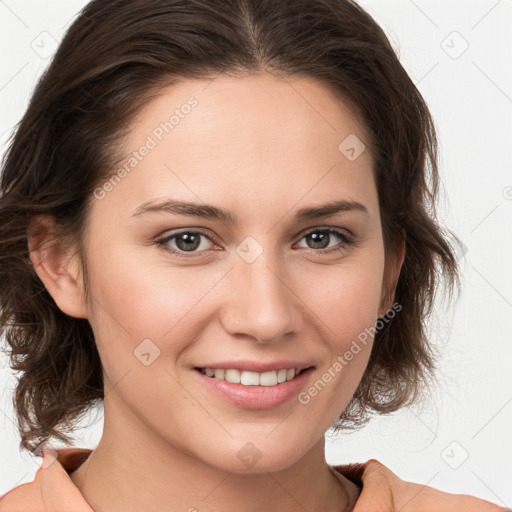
52, 489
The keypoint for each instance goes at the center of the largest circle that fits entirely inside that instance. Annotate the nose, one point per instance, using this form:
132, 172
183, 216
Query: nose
261, 301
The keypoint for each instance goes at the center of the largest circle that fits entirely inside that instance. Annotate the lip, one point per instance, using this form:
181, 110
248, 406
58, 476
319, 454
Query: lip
255, 397
255, 366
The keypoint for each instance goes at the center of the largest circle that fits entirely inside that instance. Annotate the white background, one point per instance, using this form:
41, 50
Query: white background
460, 442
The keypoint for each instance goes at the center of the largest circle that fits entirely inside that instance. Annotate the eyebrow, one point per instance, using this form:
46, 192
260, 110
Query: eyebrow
207, 211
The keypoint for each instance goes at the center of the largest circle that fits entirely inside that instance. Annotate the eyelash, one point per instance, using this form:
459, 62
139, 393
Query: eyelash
347, 241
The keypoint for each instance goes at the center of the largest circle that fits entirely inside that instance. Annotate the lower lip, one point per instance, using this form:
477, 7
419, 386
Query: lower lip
256, 397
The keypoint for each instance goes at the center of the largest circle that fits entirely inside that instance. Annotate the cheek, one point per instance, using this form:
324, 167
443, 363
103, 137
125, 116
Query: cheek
347, 298
135, 301
153, 299
348, 306
142, 297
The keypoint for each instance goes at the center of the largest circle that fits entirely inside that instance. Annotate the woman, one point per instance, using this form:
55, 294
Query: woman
286, 145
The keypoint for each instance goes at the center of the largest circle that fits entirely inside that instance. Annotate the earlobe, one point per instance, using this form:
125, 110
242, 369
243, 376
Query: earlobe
391, 275
56, 266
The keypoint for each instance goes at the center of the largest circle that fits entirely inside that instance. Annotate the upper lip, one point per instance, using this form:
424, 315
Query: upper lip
257, 366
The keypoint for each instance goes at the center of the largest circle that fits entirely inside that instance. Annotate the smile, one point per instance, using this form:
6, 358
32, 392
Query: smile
248, 389
248, 378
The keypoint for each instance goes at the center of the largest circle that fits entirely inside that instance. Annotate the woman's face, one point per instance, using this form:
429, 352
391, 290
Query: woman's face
245, 279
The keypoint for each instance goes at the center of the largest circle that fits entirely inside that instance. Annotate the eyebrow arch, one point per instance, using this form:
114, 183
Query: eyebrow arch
212, 212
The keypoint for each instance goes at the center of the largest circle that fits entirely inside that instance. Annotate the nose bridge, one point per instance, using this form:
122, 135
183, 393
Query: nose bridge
263, 303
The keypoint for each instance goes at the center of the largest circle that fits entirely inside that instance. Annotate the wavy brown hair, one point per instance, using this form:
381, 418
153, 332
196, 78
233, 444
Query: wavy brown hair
116, 56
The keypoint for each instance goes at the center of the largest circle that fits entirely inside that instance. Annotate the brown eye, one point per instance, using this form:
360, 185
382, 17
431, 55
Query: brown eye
184, 242
319, 239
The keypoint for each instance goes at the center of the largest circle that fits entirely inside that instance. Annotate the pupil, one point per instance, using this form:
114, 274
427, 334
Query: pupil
319, 239
189, 239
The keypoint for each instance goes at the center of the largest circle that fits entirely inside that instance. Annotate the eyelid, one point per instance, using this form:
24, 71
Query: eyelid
163, 240
347, 237
207, 234
200, 231
336, 229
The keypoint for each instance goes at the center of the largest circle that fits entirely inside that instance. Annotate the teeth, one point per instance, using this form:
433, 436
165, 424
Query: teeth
268, 379
232, 376
252, 378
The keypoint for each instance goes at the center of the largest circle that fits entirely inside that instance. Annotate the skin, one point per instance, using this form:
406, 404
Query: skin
261, 147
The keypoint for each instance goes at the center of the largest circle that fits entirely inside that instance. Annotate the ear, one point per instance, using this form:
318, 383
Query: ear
56, 266
391, 274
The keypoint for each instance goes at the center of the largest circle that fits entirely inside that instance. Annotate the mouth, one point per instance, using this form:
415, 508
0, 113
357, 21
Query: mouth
248, 389
249, 378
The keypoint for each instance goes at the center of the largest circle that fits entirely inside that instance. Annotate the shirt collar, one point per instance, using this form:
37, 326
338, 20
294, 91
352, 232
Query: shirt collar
53, 490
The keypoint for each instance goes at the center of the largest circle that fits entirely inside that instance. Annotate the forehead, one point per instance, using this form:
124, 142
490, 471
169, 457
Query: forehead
244, 136
272, 109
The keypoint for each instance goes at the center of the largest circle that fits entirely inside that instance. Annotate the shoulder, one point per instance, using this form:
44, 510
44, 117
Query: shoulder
383, 490
52, 488
26, 495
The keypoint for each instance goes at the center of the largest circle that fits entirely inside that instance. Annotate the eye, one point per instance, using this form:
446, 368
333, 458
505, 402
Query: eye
320, 238
185, 241
191, 241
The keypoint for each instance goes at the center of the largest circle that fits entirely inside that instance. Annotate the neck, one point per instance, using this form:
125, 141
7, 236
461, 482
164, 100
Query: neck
136, 471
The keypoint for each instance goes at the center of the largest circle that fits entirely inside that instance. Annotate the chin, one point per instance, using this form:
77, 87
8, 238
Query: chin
260, 455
